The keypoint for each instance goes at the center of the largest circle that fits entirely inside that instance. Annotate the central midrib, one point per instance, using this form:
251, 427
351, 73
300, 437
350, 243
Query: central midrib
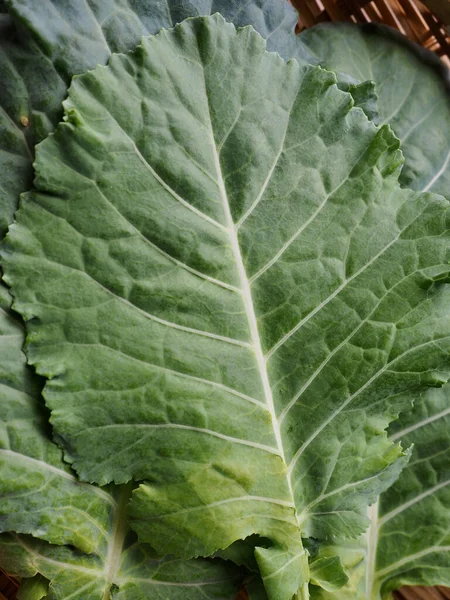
372, 544
248, 305
118, 532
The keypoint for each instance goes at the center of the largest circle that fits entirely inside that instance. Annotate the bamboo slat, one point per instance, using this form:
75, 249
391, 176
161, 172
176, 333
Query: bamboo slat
8, 587
423, 593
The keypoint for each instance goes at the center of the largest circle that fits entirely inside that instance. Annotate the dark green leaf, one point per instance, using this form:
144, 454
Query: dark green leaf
408, 542
33, 588
230, 294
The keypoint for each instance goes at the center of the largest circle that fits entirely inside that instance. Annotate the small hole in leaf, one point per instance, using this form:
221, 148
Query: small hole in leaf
25, 121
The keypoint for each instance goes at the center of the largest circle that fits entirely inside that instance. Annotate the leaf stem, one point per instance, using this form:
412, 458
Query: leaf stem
119, 529
372, 542
303, 592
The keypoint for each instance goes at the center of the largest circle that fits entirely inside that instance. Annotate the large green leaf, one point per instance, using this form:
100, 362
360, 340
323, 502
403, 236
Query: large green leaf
30, 107
414, 97
229, 293
41, 497
413, 89
408, 542
411, 523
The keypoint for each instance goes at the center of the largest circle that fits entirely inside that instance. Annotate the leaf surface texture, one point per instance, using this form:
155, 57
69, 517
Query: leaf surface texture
79, 36
74, 534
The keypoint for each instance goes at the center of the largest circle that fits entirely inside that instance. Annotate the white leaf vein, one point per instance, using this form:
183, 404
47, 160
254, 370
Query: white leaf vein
163, 183
245, 286
178, 426
284, 566
187, 376
150, 316
272, 168
411, 558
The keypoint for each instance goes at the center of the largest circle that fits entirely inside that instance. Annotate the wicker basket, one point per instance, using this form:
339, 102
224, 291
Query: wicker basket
425, 22
8, 587
417, 593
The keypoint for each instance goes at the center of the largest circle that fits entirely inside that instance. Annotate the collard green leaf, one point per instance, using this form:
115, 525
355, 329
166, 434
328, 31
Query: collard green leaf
408, 541
410, 534
229, 293
413, 89
31, 107
40, 495
420, 118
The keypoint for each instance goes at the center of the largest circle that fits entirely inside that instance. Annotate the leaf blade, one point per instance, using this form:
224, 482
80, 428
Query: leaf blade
205, 467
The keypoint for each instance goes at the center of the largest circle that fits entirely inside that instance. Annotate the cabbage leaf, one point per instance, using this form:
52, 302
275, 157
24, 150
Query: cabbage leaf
408, 542
229, 293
